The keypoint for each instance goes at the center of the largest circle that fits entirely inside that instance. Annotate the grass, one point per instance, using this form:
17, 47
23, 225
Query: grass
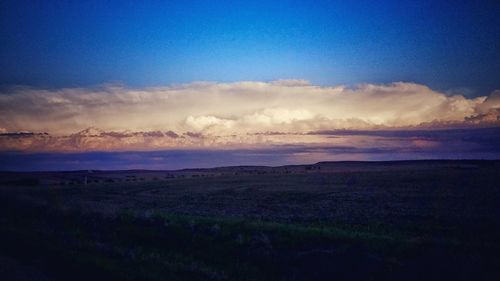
401, 224
154, 245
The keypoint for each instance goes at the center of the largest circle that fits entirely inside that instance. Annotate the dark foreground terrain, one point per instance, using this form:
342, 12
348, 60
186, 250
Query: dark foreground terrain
410, 220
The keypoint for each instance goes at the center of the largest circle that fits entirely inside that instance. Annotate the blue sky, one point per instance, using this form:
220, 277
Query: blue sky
447, 45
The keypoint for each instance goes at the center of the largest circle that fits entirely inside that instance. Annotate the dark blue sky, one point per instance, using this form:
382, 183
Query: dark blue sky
443, 44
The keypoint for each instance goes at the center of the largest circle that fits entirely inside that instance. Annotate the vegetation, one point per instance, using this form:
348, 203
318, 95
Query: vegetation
351, 225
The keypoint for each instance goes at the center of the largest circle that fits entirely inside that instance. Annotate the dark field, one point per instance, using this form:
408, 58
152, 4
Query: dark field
409, 220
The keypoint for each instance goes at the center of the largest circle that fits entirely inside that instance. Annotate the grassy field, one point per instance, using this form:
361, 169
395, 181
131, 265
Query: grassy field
414, 220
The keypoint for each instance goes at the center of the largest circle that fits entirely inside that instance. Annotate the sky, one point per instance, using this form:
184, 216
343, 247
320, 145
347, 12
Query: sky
208, 79
446, 45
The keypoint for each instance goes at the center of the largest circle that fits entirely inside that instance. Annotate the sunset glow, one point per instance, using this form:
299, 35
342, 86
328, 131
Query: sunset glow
248, 79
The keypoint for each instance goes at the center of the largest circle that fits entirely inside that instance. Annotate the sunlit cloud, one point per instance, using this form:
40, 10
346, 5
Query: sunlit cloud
235, 107
274, 149
208, 114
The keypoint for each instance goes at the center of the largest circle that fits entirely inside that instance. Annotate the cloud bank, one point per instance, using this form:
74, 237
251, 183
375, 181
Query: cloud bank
479, 143
226, 115
238, 108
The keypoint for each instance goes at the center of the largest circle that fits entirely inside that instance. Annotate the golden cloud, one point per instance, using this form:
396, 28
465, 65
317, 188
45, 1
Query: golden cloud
207, 113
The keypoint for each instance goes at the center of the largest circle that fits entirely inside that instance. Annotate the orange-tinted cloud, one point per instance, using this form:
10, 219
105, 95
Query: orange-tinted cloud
206, 114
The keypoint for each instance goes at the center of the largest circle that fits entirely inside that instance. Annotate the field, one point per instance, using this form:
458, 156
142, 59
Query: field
406, 220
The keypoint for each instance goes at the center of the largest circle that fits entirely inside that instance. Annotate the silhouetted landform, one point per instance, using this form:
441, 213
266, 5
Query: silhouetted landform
401, 220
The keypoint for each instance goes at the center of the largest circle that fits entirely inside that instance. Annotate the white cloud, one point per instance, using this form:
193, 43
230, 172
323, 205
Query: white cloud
237, 108
490, 104
204, 122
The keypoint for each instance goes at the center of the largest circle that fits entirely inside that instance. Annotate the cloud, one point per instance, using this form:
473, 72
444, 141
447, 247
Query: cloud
240, 108
203, 122
480, 143
396, 140
491, 103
